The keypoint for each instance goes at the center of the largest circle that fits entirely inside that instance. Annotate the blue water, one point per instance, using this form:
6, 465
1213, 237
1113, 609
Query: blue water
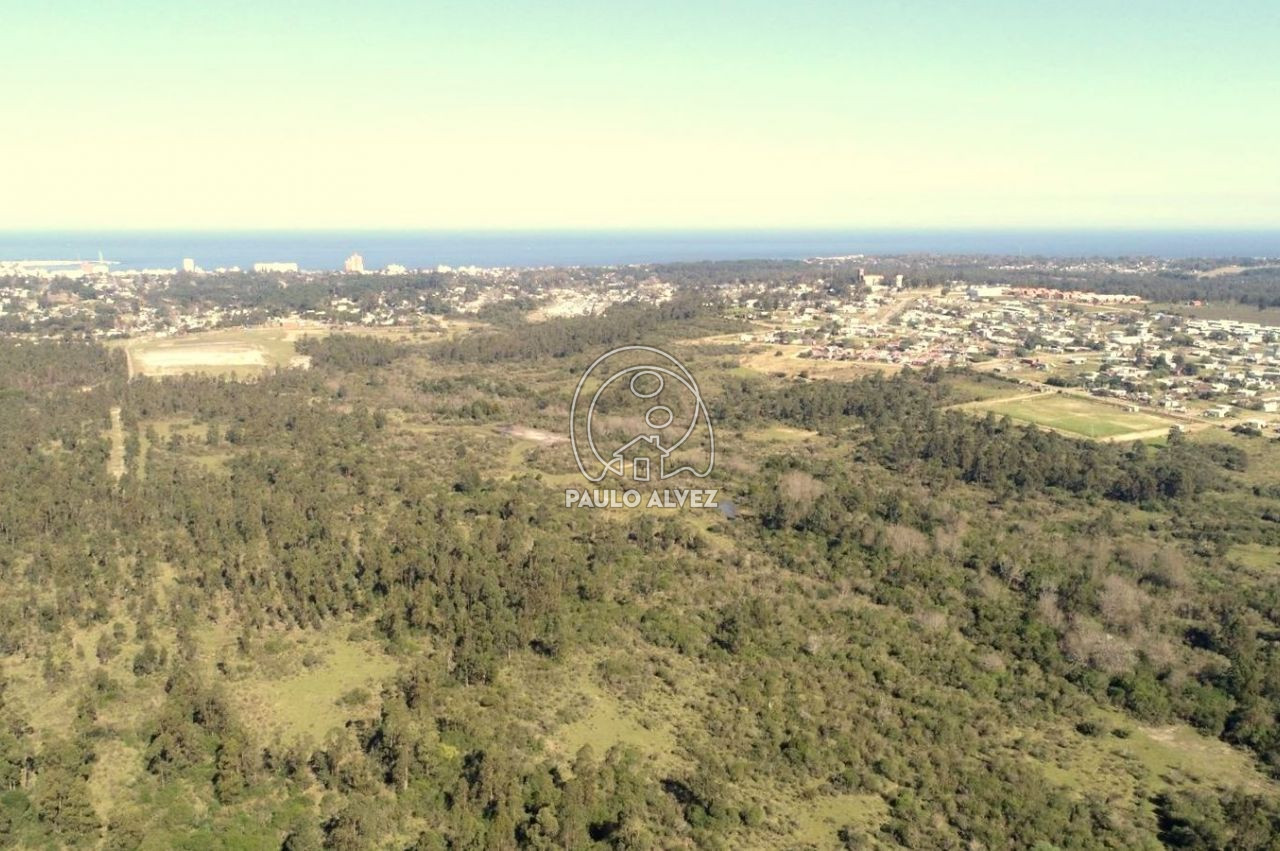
427, 249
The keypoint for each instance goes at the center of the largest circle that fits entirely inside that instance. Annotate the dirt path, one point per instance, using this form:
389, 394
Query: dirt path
894, 309
537, 435
115, 461
981, 403
1145, 434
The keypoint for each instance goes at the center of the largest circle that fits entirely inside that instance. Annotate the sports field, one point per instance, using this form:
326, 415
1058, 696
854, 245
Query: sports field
240, 352
1075, 415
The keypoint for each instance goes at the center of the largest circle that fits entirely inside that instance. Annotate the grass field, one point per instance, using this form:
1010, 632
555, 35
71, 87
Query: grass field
241, 352
1074, 415
1125, 759
976, 386
605, 721
816, 821
1259, 557
1224, 310
282, 694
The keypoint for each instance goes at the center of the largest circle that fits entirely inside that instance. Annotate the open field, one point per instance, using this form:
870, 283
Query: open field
296, 686
247, 352
1124, 758
815, 821
789, 363
975, 387
603, 721
1223, 310
1258, 557
241, 352
115, 463
1075, 415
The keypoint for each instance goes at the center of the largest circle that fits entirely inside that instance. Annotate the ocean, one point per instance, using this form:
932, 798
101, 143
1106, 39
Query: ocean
426, 249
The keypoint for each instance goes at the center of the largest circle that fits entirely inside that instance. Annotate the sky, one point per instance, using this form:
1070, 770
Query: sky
124, 114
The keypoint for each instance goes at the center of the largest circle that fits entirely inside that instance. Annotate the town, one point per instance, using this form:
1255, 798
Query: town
1115, 348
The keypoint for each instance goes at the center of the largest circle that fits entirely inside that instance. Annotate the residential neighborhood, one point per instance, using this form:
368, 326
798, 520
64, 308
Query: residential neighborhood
1112, 346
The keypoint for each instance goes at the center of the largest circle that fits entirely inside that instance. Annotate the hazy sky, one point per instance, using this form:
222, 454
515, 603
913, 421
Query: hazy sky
639, 114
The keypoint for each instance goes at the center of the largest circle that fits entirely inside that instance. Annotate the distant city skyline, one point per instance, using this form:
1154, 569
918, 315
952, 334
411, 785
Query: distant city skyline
332, 249
571, 115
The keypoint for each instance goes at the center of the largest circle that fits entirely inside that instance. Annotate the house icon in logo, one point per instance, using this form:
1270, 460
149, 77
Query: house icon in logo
640, 451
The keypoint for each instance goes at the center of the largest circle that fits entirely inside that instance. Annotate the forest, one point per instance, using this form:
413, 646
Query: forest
345, 608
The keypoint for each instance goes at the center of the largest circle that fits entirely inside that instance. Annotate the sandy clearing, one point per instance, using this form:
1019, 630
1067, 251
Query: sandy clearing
791, 364
535, 434
158, 360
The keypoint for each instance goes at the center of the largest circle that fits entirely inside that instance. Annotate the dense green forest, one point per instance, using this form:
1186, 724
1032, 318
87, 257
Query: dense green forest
346, 608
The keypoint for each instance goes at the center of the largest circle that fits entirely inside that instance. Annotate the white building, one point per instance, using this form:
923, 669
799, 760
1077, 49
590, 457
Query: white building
275, 267
355, 263
188, 265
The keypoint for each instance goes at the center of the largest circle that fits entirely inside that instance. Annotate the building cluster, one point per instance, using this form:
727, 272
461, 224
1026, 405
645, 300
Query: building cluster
1077, 296
104, 303
1106, 346
1110, 346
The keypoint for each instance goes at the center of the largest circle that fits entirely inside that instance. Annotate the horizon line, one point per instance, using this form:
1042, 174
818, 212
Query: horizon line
798, 229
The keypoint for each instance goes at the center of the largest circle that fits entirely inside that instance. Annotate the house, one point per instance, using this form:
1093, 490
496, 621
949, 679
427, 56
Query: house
640, 451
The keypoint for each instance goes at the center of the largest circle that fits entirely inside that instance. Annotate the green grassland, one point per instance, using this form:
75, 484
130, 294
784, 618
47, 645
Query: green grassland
1259, 557
978, 386
1075, 415
301, 685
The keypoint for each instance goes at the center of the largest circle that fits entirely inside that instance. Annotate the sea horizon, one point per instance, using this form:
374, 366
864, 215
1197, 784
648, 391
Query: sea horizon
326, 249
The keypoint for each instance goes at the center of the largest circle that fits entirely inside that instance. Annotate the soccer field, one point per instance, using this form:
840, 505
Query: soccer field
1075, 415
240, 352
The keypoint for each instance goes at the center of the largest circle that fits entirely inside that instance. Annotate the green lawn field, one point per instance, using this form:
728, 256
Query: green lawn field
1075, 415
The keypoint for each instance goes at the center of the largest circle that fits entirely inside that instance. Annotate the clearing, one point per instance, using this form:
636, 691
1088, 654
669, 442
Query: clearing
300, 683
789, 364
115, 461
240, 352
1075, 415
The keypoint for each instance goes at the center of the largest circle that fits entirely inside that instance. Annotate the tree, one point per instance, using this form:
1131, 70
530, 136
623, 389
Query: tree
61, 794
